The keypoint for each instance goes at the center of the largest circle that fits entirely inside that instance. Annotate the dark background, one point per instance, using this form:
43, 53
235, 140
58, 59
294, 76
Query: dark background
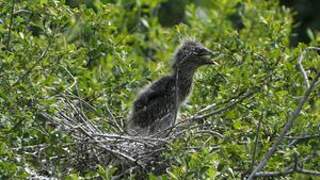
172, 12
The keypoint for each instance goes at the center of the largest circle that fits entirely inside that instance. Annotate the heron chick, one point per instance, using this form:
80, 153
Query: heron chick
156, 107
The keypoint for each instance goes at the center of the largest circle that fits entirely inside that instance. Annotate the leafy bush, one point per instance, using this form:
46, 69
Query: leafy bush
104, 52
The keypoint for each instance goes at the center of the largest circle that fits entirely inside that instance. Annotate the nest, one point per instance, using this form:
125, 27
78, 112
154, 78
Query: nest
94, 145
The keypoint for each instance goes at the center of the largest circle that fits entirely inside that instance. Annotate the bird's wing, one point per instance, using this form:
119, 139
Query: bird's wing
156, 90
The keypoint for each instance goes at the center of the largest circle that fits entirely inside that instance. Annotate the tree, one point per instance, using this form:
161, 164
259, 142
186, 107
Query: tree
101, 54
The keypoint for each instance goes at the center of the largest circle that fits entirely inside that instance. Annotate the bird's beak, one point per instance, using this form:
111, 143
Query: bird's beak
209, 54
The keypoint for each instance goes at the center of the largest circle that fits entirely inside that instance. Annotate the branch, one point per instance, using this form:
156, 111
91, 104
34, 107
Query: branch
307, 171
297, 139
139, 139
274, 173
287, 171
303, 72
287, 127
213, 133
294, 167
303, 137
230, 104
216, 105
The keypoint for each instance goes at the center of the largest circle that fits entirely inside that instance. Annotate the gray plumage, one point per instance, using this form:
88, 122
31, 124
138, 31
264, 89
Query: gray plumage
156, 107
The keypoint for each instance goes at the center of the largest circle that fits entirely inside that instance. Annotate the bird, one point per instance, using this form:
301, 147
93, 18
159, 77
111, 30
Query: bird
156, 107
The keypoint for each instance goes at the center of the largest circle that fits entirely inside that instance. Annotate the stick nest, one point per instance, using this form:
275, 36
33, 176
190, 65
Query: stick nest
94, 144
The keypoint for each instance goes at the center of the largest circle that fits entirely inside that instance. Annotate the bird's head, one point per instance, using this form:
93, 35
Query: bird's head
193, 54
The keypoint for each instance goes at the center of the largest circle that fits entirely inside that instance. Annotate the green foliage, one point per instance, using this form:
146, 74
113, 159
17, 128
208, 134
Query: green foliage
110, 49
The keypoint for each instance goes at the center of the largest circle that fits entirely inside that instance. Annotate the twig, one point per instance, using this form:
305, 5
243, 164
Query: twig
309, 172
75, 81
215, 105
133, 138
32, 147
70, 95
274, 173
213, 133
39, 146
79, 111
256, 142
84, 120
303, 72
303, 137
231, 103
211, 106
115, 152
22, 11
287, 171
284, 131
290, 169
313, 48
114, 121
297, 139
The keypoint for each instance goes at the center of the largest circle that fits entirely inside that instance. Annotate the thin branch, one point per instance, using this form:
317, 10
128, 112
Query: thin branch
256, 142
293, 168
303, 72
133, 138
309, 172
231, 104
75, 81
21, 11
313, 48
303, 137
209, 107
216, 105
82, 118
274, 173
70, 95
287, 171
287, 127
113, 119
115, 152
213, 133
39, 146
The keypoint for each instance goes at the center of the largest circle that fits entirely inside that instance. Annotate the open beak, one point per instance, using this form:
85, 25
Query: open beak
208, 55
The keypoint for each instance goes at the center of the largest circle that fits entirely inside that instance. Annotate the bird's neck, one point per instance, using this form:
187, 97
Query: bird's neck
183, 82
